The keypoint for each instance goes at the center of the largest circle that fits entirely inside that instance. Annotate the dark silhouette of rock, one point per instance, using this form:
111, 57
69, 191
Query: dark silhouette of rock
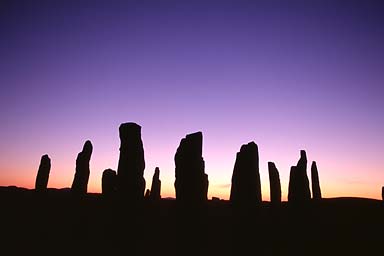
205, 184
298, 191
80, 181
156, 185
316, 191
191, 182
274, 183
292, 184
246, 187
109, 182
382, 193
147, 193
130, 171
43, 173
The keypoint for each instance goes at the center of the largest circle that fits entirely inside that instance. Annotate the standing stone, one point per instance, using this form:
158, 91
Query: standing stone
80, 181
316, 191
109, 182
130, 171
43, 173
274, 183
156, 185
246, 187
292, 184
147, 194
303, 178
205, 185
191, 182
299, 190
382, 193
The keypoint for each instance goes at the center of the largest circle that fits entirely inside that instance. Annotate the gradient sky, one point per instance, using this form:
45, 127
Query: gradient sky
288, 75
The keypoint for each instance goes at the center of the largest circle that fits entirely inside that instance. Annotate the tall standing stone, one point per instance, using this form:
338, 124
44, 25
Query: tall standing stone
80, 181
246, 187
299, 190
316, 191
382, 193
130, 171
43, 173
191, 182
274, 183
156, 185
292, 184
109, 183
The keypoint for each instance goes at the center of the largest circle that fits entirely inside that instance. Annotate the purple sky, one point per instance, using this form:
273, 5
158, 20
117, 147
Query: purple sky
289, 75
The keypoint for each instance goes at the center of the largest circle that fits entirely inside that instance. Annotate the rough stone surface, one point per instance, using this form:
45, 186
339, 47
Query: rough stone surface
43, 173
191, 182
274, 183
246, 187
316, 191
130, 171
80, 181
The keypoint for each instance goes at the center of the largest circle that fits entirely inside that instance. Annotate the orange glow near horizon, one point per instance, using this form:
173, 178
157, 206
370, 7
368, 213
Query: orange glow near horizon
341, 175
216, 189
289, 79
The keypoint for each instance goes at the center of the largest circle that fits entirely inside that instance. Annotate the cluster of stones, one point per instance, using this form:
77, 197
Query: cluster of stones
191, 181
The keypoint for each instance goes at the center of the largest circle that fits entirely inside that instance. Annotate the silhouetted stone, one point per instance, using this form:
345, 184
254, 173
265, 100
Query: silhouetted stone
205, 184
274, 183
191, 182
292, 184
80, 181
156, 185
298, 191
382, 193
147, 193
109, 183
246, 188
130, 171
43, 173
316, 191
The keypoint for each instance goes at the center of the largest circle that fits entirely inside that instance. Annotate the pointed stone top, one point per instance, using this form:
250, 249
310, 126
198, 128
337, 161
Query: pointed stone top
88, 146
156, 175
313, 163
271, 165
157, 171
303, 154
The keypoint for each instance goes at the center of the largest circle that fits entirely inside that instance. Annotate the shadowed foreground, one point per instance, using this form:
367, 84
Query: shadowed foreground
58, 222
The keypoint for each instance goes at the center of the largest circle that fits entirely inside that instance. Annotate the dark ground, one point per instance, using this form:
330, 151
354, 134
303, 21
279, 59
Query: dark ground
56, 223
